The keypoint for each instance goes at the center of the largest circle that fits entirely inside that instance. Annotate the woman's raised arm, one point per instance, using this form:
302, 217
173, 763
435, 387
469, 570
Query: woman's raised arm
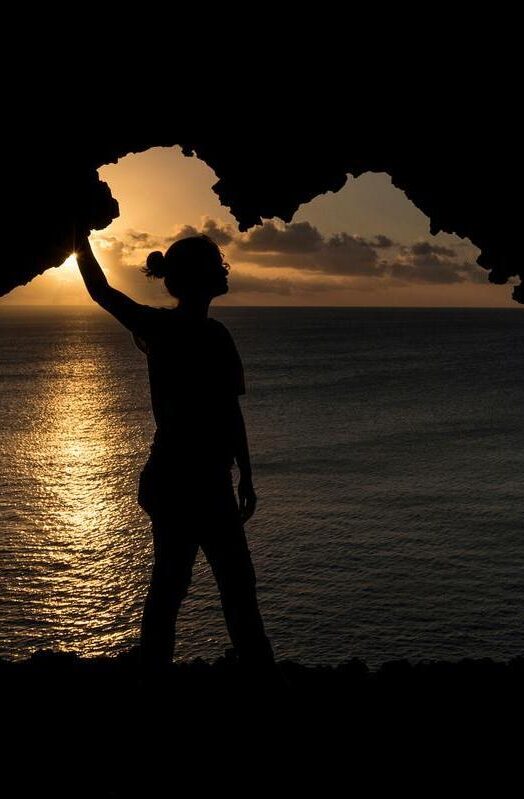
91, 271
131, 314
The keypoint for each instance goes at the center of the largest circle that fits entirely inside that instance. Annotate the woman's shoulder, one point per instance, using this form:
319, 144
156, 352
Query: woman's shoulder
220, 330
218, 325
157, 322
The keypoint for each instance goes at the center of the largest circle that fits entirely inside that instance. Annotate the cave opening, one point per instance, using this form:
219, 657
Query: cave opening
366, 244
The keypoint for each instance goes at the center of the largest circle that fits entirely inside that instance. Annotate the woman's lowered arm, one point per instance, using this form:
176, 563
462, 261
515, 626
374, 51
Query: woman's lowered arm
246, 492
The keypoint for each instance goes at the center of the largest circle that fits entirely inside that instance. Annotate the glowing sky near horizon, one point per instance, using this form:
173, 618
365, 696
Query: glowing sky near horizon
161, 191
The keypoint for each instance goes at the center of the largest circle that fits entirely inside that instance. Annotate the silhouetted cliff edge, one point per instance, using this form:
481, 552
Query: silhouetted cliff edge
88, 727
60, 669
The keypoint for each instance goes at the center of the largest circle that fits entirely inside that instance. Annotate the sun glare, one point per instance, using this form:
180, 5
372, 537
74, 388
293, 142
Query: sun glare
68, 272
70, 263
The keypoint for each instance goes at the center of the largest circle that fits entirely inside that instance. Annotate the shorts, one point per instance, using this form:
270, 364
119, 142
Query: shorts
165, 487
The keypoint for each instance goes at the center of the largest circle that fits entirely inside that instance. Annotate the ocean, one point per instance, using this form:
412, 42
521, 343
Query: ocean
388, 456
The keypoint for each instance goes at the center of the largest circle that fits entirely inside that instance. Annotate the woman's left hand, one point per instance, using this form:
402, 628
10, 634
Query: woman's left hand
82, 241
247, 497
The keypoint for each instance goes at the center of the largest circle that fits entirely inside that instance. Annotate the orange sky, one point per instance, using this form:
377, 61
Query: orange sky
366, 245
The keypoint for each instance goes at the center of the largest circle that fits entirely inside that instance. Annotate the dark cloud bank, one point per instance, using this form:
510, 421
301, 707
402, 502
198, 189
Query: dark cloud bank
326, 262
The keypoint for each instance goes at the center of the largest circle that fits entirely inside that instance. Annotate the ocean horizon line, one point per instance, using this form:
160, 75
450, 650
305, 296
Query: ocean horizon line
93, 306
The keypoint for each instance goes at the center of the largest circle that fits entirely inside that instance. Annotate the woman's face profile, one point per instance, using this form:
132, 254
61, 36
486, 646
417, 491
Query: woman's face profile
216, 275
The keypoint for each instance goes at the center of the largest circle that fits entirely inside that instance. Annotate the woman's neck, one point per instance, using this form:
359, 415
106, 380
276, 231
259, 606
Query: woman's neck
196, 310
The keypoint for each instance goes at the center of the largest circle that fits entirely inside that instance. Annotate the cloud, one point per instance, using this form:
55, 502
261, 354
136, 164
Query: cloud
221, 234
110, 250
339, 261
411, 273
424, 262
301, 246
422, 249
349, 255
382, 242
476, 274
242, 282
143, 241
435, 271
298, 237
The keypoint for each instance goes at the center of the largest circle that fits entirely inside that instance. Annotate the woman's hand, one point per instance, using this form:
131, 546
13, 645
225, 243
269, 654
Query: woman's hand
247, 497
82, 244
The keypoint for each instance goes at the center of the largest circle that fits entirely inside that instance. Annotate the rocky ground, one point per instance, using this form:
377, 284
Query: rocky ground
96, 727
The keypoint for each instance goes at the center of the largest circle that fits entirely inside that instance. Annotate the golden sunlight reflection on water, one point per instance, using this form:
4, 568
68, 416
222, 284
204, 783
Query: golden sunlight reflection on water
79, 571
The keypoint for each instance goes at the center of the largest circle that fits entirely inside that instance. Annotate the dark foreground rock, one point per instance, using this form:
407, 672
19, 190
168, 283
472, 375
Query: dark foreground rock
60, 671
96, 727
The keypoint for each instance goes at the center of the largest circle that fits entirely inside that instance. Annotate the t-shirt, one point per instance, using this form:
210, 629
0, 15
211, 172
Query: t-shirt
195, 373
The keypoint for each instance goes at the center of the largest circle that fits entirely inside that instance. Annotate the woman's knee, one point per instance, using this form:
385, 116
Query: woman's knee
237, 578
170, 579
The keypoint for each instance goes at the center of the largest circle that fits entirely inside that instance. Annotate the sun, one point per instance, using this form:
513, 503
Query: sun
70, 262
68, 271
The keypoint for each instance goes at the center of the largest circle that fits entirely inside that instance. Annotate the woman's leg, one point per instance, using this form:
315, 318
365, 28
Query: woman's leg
225, 546
175, 552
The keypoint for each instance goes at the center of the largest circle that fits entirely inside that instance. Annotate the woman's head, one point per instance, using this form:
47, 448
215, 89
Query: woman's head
192, 268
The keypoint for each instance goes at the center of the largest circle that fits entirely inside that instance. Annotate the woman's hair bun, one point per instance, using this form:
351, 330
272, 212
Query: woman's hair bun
155, 264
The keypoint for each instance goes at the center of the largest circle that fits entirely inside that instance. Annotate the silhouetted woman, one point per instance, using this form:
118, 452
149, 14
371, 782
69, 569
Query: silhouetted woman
195, 376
